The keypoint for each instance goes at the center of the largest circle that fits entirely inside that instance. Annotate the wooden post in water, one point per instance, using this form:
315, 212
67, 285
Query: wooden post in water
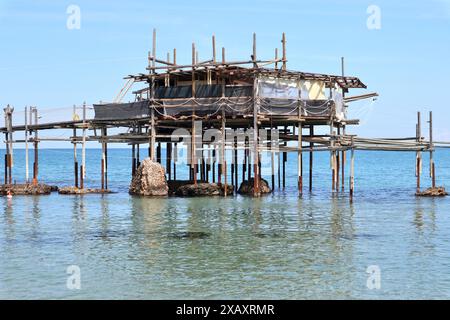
256, 175
26, 147
133, 159
223, 166
175, 159
169, 160
352, 170
432, 169
9, 144
300, 157
270, 148
83, 150
418, 153
284, 158
311, 146
74, 141
193, 87
102, 162
36, 153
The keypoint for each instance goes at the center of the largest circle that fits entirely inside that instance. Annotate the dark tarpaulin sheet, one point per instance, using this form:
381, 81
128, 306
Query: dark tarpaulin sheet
118, 111
202, 91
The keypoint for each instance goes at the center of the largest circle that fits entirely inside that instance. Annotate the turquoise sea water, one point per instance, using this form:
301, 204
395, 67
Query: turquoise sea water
280, 246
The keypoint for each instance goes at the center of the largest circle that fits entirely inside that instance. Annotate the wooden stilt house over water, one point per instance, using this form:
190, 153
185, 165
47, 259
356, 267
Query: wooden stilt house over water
229, 113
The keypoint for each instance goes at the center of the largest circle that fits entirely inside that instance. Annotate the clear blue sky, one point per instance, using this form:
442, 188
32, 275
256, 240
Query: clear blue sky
45, 64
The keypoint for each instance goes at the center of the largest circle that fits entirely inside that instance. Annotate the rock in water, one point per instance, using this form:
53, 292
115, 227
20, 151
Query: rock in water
246, 187
433, 192
203, 189
149, 180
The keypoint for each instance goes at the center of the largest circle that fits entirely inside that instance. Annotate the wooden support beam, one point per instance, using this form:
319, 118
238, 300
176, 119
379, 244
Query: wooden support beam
83, 150
418, 153
311, 146
283, 41
256, 173
36, 149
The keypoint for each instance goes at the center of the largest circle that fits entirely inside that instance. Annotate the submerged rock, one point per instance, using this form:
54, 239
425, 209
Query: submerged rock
27, 189
433, 192
175, 184
75, 190
246, 187
149, 180
203, 189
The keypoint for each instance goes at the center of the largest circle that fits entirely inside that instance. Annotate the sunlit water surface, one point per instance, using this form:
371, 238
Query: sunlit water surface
280, 246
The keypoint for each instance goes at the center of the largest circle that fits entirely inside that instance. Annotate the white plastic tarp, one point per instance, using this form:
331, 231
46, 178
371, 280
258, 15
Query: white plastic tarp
271, 87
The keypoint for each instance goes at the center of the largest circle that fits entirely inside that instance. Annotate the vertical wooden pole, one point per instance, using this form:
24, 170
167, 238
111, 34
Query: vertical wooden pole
432, 169
283, 41
344, 160
337, 161
213, 164
276, 58
256, 175
223, 166
270, 148
102, 162
254, 51
352, 170
83, 150
36, 152
193, 153
344, 155
214, 48
133, 159
311, 146
300, 156
169, 160
105, 133
418, 154
175, 159
26, 147
158, 152
75, 160
284, 159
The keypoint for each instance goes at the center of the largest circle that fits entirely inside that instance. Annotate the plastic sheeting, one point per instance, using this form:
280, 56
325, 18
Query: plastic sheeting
270, 87
118, 111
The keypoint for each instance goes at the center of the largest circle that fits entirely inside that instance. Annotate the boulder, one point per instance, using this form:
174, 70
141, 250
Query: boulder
246, 187
149, 180
75, 190
203, 189
175, 184
27, 189
433, 192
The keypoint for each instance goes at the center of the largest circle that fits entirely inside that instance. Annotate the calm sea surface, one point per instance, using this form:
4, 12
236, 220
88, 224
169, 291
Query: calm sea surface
277, 247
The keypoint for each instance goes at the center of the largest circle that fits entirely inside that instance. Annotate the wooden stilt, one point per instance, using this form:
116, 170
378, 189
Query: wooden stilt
432, 169
256, 174
418, 154
213, 164
133, 160
284, 159
311, 146
352, 170
300, 157
83, 150
103, 160
175, 159
36, 152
